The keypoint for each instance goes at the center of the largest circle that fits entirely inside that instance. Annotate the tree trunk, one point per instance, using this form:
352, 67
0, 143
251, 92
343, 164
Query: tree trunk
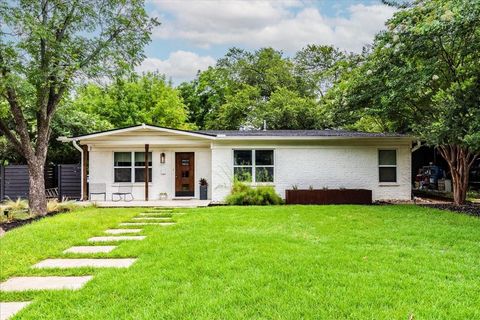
459, 160
37, 200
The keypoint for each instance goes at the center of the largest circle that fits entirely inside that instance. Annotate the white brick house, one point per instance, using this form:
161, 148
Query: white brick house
178, 159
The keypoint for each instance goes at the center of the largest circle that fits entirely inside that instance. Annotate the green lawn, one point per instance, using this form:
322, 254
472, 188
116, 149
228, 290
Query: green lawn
285, 262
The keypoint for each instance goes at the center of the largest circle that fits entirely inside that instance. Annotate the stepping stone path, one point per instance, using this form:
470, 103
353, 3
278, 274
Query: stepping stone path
147, 223
115, 238
9, 309
79, 263
90, 249
152, 218
44, 283
120, 231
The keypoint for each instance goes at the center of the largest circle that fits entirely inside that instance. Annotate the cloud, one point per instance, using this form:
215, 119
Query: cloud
180, 65
285, 25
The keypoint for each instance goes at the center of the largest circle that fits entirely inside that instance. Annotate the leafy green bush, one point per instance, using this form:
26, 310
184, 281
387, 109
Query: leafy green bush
243, 194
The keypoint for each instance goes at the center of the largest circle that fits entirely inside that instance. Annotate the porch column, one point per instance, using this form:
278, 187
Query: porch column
84, 173
147, 173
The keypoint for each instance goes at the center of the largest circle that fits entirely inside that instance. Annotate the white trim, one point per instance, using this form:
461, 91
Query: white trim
143, 126
226, 138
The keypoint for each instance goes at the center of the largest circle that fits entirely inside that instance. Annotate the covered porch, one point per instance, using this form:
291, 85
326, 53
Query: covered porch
144, 166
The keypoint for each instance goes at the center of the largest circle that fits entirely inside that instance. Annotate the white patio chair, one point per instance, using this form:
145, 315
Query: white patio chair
97, 188
124, 190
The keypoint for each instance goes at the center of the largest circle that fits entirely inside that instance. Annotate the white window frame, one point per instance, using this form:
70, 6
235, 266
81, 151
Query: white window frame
132, 166
388, 166
254, 165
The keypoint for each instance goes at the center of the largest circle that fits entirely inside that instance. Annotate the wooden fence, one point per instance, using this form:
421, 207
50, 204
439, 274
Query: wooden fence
14, 181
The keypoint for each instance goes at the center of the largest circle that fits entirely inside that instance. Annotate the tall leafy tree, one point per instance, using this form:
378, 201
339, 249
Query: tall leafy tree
320, 66
423, 77
235, 93
135, 99
47, 45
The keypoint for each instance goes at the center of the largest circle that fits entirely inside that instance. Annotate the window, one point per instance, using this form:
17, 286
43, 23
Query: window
122, 164
253, 165
387, 165
128, 165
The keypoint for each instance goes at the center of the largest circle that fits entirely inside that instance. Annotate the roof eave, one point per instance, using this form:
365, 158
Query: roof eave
134, 128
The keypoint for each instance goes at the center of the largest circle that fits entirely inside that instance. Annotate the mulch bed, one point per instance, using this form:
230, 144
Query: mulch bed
470, 209
18, 223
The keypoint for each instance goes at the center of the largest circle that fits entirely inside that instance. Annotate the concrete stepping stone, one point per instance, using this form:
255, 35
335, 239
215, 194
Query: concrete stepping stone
120, 231
156, 215
90, 249
115, 238
44, 283
152, 218
9, 309
147, 223
79, 263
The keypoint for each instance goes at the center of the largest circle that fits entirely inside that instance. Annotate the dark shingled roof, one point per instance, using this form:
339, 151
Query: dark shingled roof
298, 133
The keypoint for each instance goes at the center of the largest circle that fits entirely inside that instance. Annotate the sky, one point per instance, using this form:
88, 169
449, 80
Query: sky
194, 34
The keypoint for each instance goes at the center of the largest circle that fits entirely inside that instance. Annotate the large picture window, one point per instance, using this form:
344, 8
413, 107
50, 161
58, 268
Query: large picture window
130, 166
253, 165
387, 165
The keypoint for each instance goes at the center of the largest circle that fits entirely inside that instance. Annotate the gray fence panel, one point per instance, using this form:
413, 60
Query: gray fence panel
15, 182
69, 185
2, 180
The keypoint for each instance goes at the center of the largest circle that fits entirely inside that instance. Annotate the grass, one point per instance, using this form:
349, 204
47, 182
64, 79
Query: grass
285, 262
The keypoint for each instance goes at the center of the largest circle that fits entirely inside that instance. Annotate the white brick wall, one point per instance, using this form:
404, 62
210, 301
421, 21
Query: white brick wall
348, 166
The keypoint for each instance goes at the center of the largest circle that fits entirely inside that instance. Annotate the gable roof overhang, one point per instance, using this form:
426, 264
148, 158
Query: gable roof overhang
143, 126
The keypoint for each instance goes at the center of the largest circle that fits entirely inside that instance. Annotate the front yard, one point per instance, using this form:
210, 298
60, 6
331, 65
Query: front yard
284, 262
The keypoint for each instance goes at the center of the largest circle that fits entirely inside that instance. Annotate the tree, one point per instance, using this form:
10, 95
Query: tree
423, 77
47, 45
320, 66
235, 92
135, 99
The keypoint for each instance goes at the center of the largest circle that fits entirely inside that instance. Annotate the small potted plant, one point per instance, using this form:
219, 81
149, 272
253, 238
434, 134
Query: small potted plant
203, 189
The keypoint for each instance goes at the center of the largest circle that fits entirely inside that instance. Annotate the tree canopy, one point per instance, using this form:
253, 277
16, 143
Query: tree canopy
245, 88
46, 46
423, 78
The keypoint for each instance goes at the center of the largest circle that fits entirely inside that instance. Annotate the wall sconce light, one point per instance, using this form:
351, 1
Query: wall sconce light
162, 157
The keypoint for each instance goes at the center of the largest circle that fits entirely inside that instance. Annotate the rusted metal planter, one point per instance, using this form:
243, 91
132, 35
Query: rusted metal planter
329, 196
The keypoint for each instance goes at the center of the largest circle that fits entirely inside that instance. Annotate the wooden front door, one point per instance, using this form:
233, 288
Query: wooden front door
184, 174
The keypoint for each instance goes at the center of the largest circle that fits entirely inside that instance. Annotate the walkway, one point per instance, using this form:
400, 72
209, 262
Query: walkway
25, 283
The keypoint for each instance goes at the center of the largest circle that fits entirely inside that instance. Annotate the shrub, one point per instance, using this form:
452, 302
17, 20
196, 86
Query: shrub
243, 194
65, 206
18, 205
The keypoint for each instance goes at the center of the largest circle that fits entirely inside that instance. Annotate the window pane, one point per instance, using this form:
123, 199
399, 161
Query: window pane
140, 175
388, 174
123, 175
387, 157
263, 174
243, 174
122, 159
242, 157
140, 159
264, 157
